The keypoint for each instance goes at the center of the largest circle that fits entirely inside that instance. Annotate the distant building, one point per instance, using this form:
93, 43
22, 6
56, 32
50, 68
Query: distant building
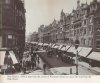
40, 33
34, 37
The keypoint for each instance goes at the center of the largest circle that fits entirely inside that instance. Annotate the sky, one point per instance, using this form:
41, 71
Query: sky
40, 12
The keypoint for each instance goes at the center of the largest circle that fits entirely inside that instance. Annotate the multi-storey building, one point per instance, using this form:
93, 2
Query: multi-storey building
50, 32
34, 37
81, 24
62, 27
12, 24
40, 33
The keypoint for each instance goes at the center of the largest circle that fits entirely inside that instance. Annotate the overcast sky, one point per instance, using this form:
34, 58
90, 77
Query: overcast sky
40, 12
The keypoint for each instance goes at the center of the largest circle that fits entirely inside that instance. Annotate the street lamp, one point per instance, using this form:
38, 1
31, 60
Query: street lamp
76, 46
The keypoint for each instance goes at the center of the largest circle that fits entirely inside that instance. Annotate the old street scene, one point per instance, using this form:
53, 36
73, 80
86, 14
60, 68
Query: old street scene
49, 38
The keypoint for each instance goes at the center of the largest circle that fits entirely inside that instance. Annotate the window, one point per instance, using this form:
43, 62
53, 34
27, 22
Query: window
98, 42
84, 22
4, 41
90, 20
7, 1
98, 21
84, 31
84, 42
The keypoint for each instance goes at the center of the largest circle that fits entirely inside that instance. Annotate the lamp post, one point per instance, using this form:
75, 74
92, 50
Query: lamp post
76, 46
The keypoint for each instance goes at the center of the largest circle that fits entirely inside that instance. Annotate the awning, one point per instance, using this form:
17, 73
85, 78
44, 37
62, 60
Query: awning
94, 56
78, 49
45, 44
67, 47
60, 47
14, 59
56, 47
40, 44
50, 45
2, 56
63, 48
71, 49
85, 51
12, 55
53, 45
34, 42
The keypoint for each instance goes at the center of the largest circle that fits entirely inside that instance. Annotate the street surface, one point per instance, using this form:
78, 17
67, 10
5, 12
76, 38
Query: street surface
54, 66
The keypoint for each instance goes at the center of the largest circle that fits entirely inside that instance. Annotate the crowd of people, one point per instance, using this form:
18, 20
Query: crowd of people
29, 61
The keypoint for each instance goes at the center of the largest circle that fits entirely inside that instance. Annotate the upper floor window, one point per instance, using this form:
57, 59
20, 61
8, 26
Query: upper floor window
84, 31
7, 1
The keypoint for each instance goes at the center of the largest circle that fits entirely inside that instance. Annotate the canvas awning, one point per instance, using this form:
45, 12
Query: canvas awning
40, 44
85, 51
45, 44
34, 42
53, 45
94, 56
12, 55
60, 47
50, 44
56, 46
71, 49
78, 49
65, 48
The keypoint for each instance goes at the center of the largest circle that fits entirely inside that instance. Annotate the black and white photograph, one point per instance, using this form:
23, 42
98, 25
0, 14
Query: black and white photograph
49, 37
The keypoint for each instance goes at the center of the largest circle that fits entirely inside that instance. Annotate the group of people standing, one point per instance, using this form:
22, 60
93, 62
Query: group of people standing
29, 61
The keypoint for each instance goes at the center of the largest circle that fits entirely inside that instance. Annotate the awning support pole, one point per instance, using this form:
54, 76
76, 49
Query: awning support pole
76, 62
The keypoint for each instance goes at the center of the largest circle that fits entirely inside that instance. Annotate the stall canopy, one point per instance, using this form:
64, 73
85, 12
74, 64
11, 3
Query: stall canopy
50, 44
71, 49
34, 42
40, 44
94, 56
78, 49
53, 45
85, 51
60, 47
45, 44
65, 48
12, 55
57, 46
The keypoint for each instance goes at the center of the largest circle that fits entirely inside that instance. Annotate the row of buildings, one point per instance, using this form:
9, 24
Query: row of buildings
82, 24
12, 24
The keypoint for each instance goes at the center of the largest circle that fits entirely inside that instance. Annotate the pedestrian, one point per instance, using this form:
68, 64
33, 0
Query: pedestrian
38, 59
44, 67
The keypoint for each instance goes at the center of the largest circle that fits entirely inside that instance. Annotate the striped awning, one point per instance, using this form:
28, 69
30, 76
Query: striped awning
12, 55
